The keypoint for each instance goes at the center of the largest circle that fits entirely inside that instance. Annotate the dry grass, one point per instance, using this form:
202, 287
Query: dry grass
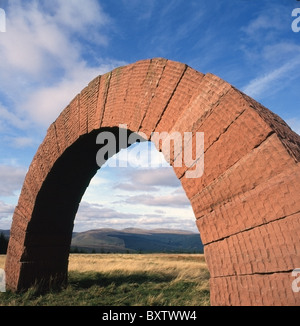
126, 279
183, 266
2, 261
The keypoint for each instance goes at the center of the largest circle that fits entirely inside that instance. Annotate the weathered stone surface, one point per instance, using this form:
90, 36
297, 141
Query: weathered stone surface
67, 125
257, 290
259, 204
246, 203
257, 250
258, 166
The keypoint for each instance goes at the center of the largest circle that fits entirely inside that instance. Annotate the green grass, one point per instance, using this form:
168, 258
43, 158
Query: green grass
119, 288
114, 289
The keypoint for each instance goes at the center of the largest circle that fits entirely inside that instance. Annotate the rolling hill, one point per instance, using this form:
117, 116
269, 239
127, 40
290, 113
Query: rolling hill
5, 232
133, 240
137, 240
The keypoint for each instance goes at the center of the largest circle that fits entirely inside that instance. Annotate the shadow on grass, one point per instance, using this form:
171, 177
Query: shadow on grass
114, 289
85, 280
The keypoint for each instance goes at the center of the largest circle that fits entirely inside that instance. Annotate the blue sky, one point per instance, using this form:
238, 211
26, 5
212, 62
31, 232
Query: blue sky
52, 49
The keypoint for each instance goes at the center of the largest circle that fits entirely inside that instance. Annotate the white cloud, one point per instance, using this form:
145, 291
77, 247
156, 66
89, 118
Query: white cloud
43, 56
273, 56
279, 72
94, 210
270, 21
7, 117
20, 142
146, 169
280, 51
33, 40
159, 177
139, 155
94, 216
6, 213
45, 104
134, 187
272, 79
145, 180
11, 179
5, 210
119, 198
42, 36
178, 201
75, 16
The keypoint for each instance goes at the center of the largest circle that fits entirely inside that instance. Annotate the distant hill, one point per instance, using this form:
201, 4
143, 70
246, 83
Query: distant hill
134, 240
5, 232
137, 240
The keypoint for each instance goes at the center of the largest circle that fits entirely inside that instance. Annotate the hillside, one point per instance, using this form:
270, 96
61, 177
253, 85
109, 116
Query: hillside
5, 232
133, 240
137, 240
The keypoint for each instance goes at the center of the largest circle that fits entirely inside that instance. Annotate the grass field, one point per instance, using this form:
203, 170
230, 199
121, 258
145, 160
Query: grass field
125, 280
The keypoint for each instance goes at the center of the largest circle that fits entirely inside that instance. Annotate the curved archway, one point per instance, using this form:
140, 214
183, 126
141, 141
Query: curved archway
246, 203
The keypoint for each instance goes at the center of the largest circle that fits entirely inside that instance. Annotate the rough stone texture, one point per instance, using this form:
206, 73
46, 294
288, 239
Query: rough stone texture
246, 204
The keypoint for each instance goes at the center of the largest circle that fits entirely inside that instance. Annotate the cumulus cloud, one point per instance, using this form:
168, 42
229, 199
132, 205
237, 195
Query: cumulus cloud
11, 179
45, 104
20, 142
139, 155
6, 213
93, 210
94, 216
164, 177
179, 201
135, 187
5, 210
148, 179
42, 35
42, 56
7, 117
73, 15
157, 177
144, 177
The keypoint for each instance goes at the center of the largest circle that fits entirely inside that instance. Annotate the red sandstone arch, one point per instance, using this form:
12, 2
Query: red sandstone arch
246, 204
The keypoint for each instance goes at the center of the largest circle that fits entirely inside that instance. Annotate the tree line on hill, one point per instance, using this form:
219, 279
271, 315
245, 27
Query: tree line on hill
3, 244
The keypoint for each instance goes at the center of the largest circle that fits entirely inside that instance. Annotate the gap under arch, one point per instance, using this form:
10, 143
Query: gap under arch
135, 188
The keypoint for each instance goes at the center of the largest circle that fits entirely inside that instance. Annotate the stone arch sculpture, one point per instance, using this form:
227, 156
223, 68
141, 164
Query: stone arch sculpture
246, 204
